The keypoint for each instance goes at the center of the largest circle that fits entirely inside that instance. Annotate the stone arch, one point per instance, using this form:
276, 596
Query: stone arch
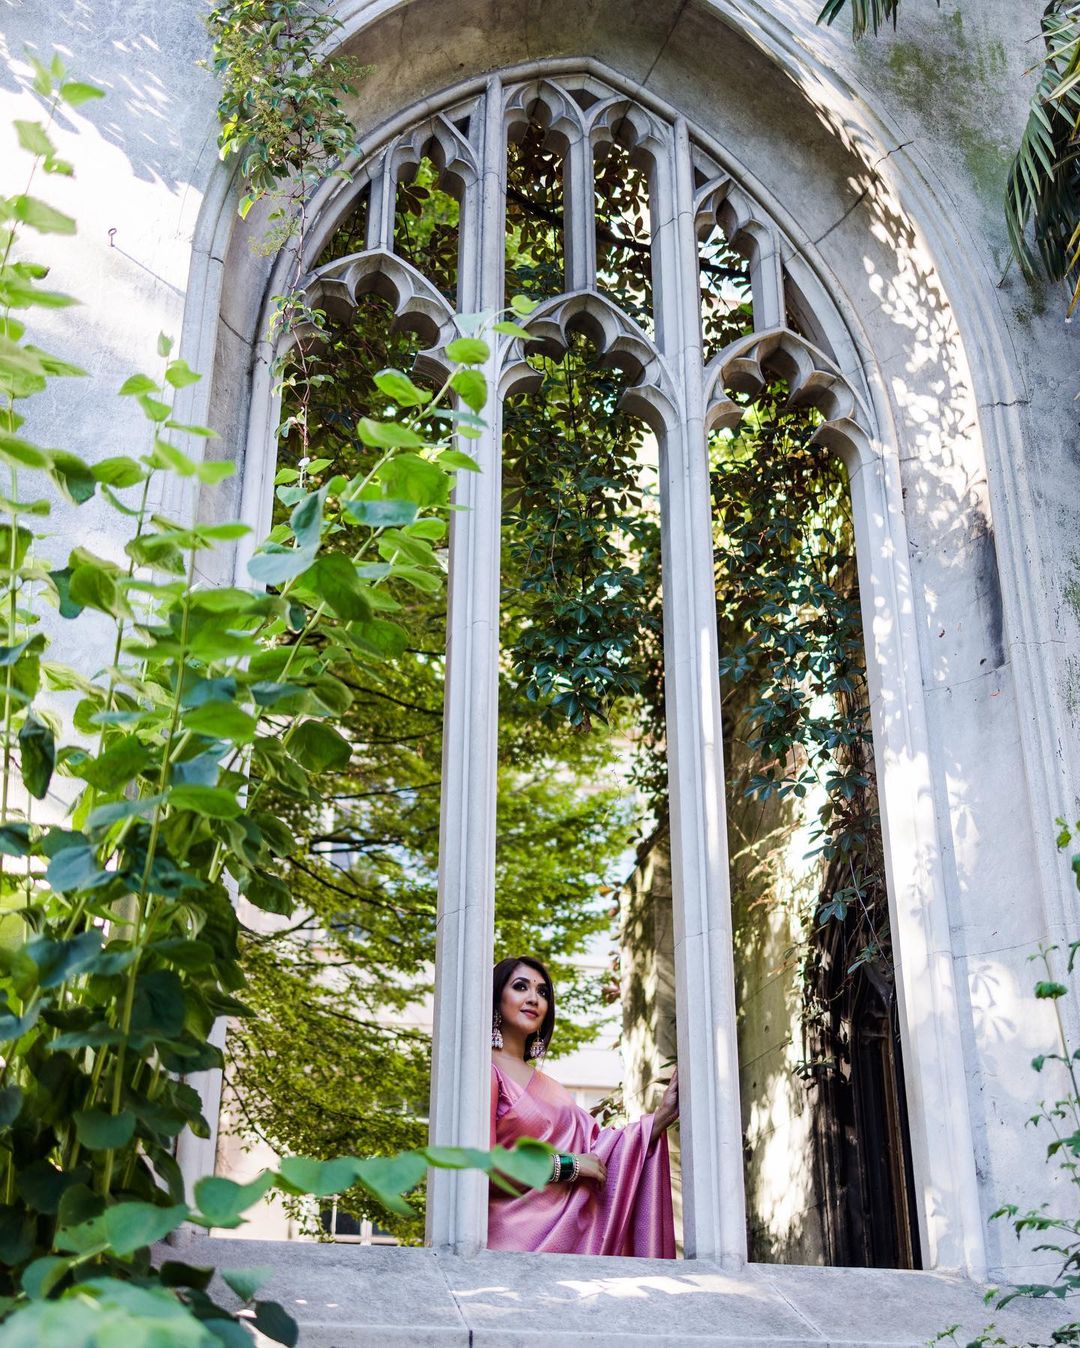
620, 343
856, 350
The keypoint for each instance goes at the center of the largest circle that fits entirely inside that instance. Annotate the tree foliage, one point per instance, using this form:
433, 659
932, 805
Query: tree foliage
334, 1058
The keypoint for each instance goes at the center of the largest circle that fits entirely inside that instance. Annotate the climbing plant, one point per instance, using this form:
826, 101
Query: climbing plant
135, 802
788, 608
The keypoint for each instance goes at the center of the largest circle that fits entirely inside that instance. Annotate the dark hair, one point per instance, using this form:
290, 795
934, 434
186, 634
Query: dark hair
502, 974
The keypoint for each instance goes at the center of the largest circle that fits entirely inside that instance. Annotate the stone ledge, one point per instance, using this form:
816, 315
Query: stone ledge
354, 1296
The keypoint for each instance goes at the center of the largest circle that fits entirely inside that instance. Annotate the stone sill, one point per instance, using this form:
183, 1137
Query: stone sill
353, 1296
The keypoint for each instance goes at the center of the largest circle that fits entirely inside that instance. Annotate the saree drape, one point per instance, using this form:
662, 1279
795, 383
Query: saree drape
629, 1214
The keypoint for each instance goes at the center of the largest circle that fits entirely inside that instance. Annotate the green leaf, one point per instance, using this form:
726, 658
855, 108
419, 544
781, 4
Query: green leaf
319, 1178
41, 1276
468, 351
14, 839
276, 1323
17, 1231
75, 93
528, 1163
37, 756
11, 655
75, 478
268, 893
306, 520
179, 374
424, 581
211, 471
13, 549
319, 748
513, 330
137, 383
75, 867
427, 528
471, 386
118, 471
382, 512
40, 216
333, 578
104, 816
215, 802
522, 305
14, 1027
19, 453
121, 763
58, 961
62, 580
222, 720
42, 1185
388, 434
164, 344
279, 566
221, 1201
133, 1226
11, 1099
409, 477
94, 584
158, 1007
154, 409
380, 637
1051, 991
400, 388
388, 1177
245, 1282
98, 1130
32, 137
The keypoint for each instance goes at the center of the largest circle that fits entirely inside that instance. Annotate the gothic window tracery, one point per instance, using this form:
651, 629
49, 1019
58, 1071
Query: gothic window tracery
639, 245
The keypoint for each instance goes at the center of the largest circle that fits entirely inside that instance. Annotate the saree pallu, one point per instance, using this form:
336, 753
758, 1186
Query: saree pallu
629, 1214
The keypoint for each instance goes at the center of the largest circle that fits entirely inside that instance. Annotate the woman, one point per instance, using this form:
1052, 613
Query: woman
610, 1190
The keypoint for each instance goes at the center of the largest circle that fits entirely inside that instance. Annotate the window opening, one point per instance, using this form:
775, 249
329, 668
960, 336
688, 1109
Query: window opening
426, 222
336, 1059
583, 864
580, 631
351, 235
727, 309
624, 234
535, 261
828, 1164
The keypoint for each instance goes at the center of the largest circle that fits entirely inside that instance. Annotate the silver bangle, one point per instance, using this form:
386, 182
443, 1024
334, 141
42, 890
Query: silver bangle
574, 1170
555, 1168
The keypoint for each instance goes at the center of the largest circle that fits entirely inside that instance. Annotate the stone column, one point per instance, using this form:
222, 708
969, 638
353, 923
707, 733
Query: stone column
714, 1222
579, 216
461, 1070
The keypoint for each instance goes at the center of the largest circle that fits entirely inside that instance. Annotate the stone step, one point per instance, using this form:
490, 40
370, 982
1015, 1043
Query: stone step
356, 1296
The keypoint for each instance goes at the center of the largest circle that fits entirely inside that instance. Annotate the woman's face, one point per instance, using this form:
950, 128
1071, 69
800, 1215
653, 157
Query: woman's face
525, 1000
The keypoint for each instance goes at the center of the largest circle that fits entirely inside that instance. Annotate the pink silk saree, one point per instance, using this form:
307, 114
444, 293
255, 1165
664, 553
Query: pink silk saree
630, 1214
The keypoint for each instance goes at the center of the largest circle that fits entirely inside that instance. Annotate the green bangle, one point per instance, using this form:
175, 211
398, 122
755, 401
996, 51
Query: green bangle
566, 1168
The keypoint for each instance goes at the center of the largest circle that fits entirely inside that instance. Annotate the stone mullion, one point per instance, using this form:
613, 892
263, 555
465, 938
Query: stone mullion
713, 1188
461, 1058
381, 202
579, 217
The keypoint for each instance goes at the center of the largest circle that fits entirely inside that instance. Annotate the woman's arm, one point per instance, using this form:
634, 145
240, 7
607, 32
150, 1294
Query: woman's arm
668, 1112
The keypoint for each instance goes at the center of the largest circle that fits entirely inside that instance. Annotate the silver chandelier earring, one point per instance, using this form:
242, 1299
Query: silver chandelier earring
537, 1050
496, 1032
